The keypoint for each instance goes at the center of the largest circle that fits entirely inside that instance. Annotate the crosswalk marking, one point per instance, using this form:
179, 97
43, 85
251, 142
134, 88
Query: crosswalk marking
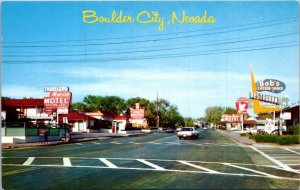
150, 164
67, 162
198, 167
28, 161
108, 163
247, 169
291, 151
274, 160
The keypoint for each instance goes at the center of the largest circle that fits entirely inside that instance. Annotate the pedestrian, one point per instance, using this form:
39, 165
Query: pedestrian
46, 137
42, 135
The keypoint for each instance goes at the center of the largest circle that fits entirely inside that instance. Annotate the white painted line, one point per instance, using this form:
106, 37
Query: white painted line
28, 161
291, 151
108, 163
115, 143
96, 143
79, 143
275, 161
287, 156
150, 164
198, 167
67, 162
251, 170
166, 170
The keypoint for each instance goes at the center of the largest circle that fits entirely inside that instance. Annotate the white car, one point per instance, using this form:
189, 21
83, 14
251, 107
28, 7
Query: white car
188, 132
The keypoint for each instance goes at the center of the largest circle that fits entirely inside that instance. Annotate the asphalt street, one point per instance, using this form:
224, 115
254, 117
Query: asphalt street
153, 161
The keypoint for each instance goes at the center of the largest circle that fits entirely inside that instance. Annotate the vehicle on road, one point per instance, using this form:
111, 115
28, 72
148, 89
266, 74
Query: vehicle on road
170, 130
188, 132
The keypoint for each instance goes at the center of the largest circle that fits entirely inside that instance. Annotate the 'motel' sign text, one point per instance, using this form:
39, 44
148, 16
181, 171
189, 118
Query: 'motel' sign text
270, 85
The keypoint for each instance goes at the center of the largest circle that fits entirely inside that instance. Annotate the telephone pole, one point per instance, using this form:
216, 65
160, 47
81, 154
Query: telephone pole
157, 116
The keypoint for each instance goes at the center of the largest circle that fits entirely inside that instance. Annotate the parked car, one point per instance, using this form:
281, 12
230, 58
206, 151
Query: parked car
188, 132
169, 130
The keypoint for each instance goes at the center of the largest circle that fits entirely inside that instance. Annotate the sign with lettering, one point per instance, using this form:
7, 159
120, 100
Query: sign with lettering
264, 98
58, 100
137, 113
270, 85
56, 89
286, 115
231, 118
242, 105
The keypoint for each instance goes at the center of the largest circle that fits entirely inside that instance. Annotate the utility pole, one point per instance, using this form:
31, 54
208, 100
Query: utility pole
157, 116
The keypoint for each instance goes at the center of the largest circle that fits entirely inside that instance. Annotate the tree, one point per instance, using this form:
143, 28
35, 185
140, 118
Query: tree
264, 116
80, 107
92, 102
189, 122
112, 104
230, 110
214, 114
172, 118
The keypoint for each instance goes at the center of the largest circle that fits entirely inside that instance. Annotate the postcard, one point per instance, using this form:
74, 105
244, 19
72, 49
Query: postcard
150, 95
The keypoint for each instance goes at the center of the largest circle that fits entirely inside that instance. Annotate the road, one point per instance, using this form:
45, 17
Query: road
154, 161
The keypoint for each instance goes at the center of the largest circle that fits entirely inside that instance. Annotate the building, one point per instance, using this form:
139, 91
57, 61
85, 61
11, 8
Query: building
121, 122
294, 111
27, 109
80, 121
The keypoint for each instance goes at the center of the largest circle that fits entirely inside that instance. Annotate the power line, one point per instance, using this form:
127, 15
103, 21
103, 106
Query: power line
220, 51
141, 41
155, 35
157, 50
142, 47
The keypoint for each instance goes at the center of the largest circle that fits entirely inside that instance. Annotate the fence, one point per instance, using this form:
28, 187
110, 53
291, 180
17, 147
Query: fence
19, 129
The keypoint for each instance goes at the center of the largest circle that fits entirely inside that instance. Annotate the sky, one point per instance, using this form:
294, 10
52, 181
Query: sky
194, 66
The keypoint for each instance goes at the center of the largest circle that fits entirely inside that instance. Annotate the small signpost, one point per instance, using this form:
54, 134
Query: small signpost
241, 108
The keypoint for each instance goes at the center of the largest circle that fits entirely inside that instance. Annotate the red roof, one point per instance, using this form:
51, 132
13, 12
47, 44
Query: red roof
76, 116
23, 102
120, 117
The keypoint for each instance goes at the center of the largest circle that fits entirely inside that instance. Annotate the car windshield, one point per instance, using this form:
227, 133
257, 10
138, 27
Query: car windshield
187, 129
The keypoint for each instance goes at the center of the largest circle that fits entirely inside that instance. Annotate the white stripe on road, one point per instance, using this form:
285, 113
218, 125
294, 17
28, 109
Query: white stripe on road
96, 143
198, 167
115, 143
28, 161
79, 143
108, 163
251, 170
67, 162
150, 164
291, 151
275, 161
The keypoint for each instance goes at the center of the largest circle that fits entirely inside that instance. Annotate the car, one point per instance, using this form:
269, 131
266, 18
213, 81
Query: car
169, 130
188, 132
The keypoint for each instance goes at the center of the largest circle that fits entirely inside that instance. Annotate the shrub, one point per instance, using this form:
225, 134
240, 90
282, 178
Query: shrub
294, 129
283, 139
288, 139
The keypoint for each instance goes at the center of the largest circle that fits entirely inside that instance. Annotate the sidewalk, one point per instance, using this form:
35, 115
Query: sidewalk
75, 138
244, 140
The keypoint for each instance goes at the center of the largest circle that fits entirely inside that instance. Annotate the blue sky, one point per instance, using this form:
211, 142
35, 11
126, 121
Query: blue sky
192, 65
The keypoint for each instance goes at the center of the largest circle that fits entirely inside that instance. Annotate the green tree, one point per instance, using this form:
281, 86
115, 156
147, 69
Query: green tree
264, 116
214, 114
230, 110
189, 122
92, 102
112, 104
80, 107
172, 118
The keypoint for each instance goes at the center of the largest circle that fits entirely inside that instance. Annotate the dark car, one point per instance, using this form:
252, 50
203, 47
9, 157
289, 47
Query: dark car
169, 130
